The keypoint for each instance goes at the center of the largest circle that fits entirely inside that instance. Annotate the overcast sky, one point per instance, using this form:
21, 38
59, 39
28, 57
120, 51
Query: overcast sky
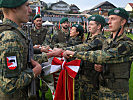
88, 4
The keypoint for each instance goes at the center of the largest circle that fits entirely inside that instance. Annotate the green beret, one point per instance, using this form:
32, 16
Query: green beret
11, 3
37, 16
63, 20
119, 12
98, 18
79, 28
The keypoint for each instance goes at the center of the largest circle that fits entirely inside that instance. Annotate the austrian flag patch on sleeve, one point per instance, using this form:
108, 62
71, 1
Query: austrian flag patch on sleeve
11, 62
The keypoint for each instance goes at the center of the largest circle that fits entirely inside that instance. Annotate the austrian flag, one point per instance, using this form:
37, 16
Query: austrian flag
11, 62
65, 85
72, 66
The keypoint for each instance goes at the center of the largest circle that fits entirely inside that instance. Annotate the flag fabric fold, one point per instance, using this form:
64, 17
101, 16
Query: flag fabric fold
65, 85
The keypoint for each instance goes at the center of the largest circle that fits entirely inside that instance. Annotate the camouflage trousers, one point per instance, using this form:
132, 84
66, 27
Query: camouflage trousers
84, 89
107, 94
16, 96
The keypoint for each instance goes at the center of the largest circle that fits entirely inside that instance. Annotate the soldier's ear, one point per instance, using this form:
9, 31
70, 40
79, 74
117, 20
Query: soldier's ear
14, 10
99, 26
34, 21
123, 22
77, 32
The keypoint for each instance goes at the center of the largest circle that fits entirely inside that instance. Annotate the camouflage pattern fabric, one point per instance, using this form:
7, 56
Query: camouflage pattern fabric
40, 36
13, 83
41, 87
74, 41
84, 89
120, 52
107, 94
87, 72
60, 38
71, 42
93, 43
114, 59
41, 58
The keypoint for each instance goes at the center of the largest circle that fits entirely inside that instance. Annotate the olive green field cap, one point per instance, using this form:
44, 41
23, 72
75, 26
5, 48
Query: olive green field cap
37, 16
64, 19
79, 27
98, 18
11, 3
119, 12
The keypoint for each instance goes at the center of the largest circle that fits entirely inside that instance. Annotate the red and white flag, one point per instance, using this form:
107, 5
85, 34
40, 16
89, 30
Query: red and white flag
68, 72
38, 10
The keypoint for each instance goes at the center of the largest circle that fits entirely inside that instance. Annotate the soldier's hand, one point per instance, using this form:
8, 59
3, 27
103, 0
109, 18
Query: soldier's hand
45, 49
36, 46
98, 68
57, 49
58, 52
68, 54
55, 53
37, 67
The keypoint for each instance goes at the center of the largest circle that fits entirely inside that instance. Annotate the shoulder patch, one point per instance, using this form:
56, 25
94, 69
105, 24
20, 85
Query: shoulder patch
11, 62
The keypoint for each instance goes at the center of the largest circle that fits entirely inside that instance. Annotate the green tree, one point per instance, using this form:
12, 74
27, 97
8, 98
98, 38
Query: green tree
131, 14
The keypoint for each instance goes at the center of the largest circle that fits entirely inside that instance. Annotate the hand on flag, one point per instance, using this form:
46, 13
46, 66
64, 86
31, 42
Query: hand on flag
55, 53
68, 54
45, 49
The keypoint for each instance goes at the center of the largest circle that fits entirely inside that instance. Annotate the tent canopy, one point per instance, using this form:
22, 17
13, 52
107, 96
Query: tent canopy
47, 23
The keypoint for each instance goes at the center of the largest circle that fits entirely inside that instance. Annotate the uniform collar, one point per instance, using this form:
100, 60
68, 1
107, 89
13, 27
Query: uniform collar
95, 35
38, 29
111, 36
8, 21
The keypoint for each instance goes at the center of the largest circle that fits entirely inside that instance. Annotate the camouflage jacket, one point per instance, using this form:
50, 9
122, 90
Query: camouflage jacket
40, 36
119, 52
60, 38
15, 75
87, 72
74, 41
115, 58
93, 43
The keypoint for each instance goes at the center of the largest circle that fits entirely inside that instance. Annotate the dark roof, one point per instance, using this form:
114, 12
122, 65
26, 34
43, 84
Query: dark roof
73, 5
102, 4
131, 4
61, 2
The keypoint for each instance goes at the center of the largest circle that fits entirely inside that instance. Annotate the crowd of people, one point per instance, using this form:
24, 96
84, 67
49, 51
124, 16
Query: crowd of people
105, 62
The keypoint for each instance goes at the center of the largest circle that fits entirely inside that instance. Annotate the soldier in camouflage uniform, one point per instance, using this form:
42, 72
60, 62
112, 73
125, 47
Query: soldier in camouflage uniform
61, 36
76, 35
87, 73
115, 56
39, 34
15, 76
39, 37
